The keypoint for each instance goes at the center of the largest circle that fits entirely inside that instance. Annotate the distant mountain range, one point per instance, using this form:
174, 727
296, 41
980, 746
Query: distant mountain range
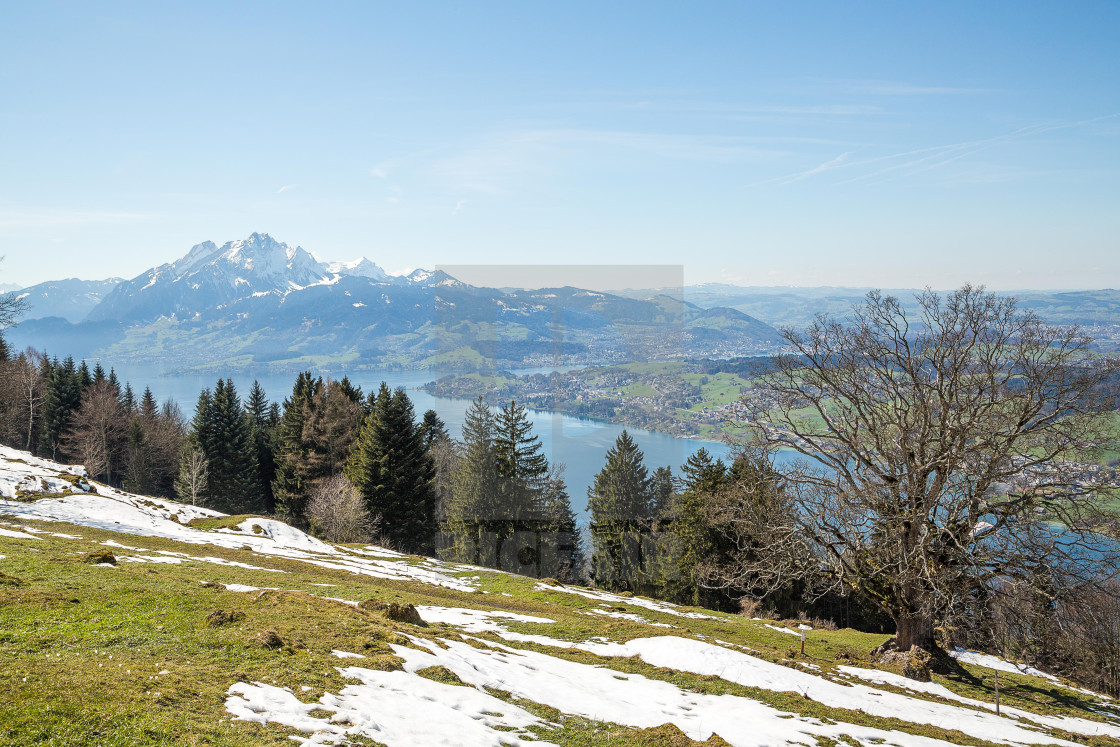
797, 306
70, 299
258, 302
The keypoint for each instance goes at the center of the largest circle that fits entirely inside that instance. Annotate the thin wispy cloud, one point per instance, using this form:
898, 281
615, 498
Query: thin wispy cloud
285, 188
893, 88
493, 166
459, 206
879, 169
380, 173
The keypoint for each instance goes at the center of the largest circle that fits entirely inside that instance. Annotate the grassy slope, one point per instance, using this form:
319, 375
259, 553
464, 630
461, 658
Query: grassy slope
82, 647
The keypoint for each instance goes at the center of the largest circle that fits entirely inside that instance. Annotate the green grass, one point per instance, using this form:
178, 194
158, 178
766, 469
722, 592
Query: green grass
125, 656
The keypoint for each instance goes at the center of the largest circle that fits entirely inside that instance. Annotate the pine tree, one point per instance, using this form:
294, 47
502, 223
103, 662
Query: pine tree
433, 428
262, 434
562, 545
222, 432
291, 486
84, 378
619, 502
149, 409
698, 542
114, 383
393, 471
128, 399
468, 534
61, 398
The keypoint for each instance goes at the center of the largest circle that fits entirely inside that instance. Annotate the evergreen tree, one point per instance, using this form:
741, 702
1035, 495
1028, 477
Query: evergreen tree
98, 373
5, 354
149, 410
84, 378
128, 399
291, 486
61, 398
620, 504
262, 434
222, 432
433, 428
562, 545
698, 542
114, 383
393, 471
468, 534
661, 493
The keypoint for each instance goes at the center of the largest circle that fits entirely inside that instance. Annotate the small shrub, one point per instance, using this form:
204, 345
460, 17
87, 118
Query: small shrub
100, 556
373, 604
221, 617
403, 613
440, 673
270, 639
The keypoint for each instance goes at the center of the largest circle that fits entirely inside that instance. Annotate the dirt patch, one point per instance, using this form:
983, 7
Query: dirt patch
224, 617
100, 556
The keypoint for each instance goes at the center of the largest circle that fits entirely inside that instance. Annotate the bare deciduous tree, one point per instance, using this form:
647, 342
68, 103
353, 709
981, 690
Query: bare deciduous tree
942, 454
29, 375
337, 513
98, 430
194, 472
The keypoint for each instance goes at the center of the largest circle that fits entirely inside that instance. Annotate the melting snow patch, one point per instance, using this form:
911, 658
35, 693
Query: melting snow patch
346, 654
398, 709
17, 535
604, 596
994, 662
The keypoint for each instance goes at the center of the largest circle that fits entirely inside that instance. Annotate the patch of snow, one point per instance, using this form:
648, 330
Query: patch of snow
994, 662
398, 709
17, 535
346, 654
606, 596
634, 700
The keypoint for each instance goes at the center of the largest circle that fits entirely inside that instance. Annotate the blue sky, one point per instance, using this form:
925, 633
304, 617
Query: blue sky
888, 144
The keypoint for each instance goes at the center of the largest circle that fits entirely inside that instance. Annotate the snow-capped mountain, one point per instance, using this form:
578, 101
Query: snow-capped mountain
211, 277
360, 267
70, 299
259, 299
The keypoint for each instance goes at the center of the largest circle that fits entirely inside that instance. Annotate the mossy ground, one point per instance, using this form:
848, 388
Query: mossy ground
125, 655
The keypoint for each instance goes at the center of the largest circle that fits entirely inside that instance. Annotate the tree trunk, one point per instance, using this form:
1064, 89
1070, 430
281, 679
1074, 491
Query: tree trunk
914, 631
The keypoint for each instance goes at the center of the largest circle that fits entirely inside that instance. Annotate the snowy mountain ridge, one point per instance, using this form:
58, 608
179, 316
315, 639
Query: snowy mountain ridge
500, 659
211, 276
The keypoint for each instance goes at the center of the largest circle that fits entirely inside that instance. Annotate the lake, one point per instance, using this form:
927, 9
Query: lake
580, 444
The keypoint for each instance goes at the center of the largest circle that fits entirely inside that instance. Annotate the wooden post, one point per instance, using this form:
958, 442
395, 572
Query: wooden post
997, 691
802, 642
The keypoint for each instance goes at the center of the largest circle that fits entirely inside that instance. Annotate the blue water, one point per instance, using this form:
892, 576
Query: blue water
580, 444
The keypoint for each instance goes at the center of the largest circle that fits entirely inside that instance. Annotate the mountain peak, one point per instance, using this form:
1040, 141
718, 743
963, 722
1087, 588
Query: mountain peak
360, 267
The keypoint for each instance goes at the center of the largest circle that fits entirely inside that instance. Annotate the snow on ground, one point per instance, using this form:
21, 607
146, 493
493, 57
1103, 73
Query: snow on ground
398, 709
23, 472
16, 535
632, 699
689, 655
698, 657
103, 507
402, 708
605, 596
624, 616
994, 662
